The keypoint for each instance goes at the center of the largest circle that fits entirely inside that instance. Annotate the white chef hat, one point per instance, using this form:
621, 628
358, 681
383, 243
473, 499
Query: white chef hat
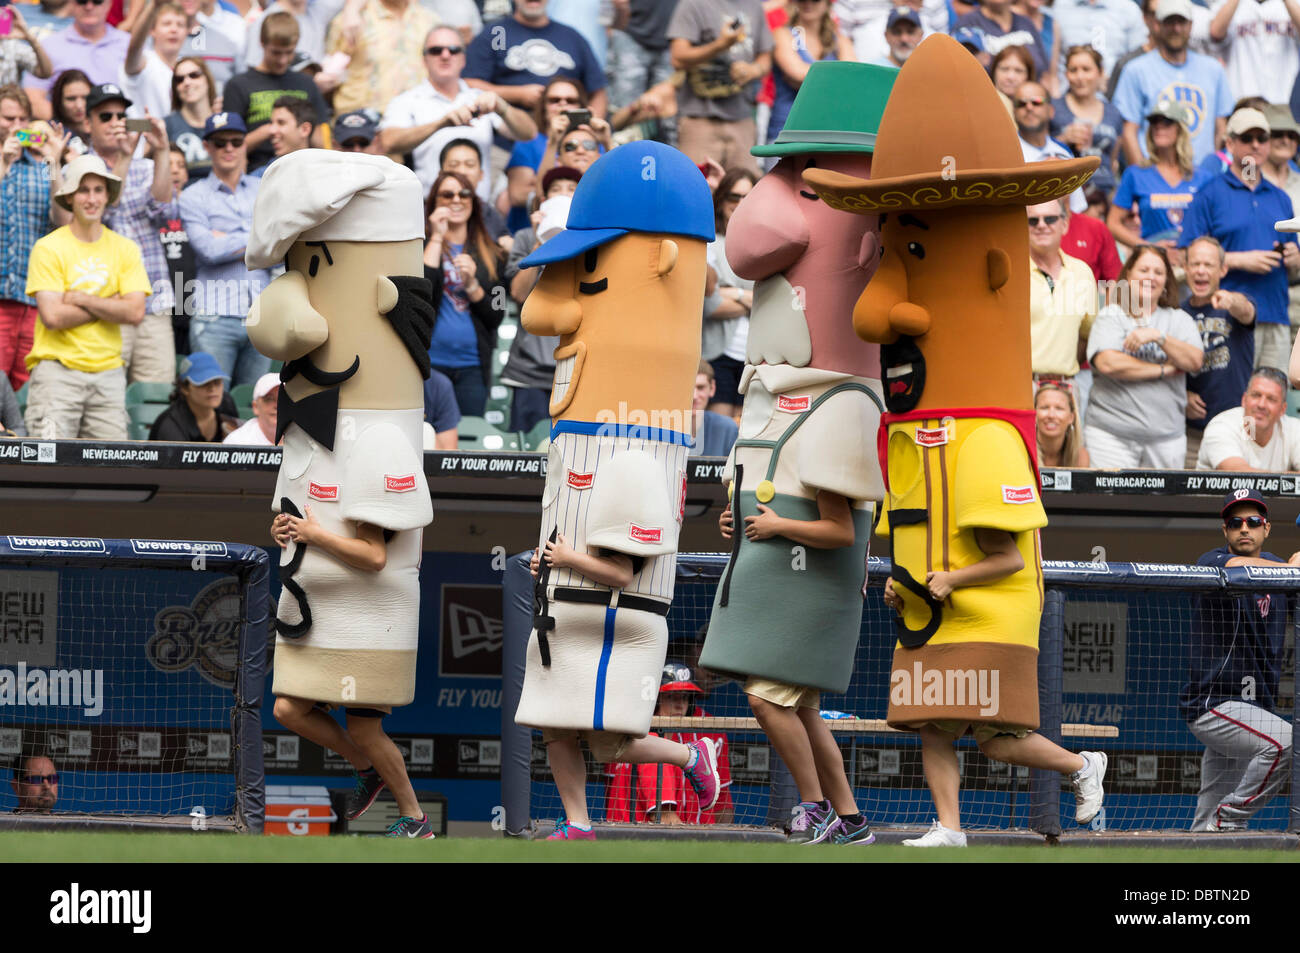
318, 195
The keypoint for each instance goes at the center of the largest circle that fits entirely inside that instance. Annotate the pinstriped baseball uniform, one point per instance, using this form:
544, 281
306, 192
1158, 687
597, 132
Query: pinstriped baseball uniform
601, 657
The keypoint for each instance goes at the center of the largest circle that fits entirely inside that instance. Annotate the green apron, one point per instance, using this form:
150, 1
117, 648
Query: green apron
783, 610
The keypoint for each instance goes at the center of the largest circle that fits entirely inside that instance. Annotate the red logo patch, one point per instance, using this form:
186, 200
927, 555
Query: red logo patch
1017, 494
1264, 603
399, 484
580, 481
641, 535
323, 491
793, 405
931, 438
681, 507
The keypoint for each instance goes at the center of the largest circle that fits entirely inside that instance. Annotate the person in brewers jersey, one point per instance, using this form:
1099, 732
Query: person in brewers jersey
623, 287
351, 317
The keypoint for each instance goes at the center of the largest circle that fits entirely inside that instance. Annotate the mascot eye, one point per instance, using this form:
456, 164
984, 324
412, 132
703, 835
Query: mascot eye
916, 248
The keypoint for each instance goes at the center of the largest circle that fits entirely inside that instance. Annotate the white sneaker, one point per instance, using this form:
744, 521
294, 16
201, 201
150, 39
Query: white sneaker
1087, 785
938, 836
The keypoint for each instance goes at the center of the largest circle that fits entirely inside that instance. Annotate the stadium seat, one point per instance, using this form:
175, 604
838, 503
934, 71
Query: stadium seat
497, 406
476, 433
137, 431
507, 333
539, 435
22, 396
145, 413
242, 395
1293, 402
148, 392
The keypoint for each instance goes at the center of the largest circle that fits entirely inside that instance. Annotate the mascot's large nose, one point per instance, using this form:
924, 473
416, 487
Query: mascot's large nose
282, 323
883, 312
768, 231
551, 307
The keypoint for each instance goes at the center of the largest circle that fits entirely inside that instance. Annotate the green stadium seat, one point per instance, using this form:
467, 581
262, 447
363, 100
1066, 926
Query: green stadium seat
145, 413
243, 395
148, 392
1292, 402
137, 431
475, 433
22, 396
506, 333
539, 435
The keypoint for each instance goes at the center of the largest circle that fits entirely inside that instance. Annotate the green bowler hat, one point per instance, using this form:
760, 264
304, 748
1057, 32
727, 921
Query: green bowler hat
838, 109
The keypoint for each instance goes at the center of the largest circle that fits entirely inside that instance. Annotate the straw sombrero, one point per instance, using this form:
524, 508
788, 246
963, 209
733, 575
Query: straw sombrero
945, 142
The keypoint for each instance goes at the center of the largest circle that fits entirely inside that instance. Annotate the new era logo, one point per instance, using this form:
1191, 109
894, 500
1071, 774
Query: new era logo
399, 484
640, 534
793, 405
1017, 494
323, 491
580, 481
936, 437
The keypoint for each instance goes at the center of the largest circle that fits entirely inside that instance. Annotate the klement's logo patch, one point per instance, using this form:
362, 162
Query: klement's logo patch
639, 534
793, 405
926, 437
399, 484
1017, 494
323, 491
580, 481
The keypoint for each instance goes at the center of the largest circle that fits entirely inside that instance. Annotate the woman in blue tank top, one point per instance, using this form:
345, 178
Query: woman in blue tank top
808, 36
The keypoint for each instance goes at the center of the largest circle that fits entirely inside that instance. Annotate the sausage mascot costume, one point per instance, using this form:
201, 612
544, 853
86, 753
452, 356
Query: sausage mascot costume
804, 476
351, 317
950, 306
623, 287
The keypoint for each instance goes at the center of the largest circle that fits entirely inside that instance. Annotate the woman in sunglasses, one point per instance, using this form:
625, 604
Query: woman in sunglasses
1168, 176
559, 96
464, 265
194, 97
1141, 348
1060, 443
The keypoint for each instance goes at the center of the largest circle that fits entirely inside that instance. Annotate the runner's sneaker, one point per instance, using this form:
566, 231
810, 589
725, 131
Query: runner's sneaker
419, 827
938, 836
366, 787
704, 775
811, 823
566, 831
841, 833
1087, 783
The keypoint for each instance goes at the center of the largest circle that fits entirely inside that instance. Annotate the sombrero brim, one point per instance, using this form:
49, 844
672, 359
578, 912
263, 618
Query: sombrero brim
1030, 184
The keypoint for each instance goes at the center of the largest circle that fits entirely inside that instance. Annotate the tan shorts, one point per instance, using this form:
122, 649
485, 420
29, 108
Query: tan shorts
606, 746
726, 142
783, 694
1272, 346
149, 349
981, 731
67, 404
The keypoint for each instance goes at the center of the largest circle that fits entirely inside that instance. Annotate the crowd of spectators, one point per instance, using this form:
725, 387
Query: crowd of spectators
1166, 264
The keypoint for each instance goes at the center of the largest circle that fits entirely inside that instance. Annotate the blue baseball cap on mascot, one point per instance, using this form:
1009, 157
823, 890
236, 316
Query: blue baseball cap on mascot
639, 187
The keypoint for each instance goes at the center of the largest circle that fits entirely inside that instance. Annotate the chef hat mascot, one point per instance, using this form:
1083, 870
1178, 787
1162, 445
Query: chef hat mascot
804, 476
623, 287
949, 306
351, 319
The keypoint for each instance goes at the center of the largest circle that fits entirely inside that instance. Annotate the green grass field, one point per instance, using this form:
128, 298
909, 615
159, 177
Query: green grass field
218, 848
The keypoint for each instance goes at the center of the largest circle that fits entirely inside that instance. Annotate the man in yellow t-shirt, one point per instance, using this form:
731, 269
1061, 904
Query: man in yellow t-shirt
88, 281
1062, 295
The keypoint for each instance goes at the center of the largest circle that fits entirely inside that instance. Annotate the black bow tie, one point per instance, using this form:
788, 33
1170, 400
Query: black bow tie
317, 415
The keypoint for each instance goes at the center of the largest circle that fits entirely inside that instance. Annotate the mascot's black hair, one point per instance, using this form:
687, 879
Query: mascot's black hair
413, 317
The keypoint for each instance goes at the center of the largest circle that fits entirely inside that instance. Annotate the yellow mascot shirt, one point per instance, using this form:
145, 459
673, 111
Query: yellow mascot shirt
965, 473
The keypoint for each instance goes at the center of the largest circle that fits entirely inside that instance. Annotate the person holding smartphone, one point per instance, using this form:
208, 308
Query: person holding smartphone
20, 51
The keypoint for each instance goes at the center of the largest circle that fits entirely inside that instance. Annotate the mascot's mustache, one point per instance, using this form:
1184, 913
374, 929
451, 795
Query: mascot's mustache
317, 376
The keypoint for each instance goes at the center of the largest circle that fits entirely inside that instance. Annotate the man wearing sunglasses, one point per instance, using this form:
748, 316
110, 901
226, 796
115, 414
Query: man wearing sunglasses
443, 107
1033, 111
1234, 661
218, 213
1062, 296
88, 44
36, 785
1238, 207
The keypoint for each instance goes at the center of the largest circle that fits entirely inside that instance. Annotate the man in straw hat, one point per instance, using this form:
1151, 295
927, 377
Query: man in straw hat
950, 306
804, 473
351, 317
88, 282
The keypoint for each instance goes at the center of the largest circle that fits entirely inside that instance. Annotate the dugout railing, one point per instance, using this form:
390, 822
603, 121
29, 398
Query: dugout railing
138, 666
1112, 661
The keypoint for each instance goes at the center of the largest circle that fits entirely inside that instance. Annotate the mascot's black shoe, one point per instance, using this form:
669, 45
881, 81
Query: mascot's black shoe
367, 788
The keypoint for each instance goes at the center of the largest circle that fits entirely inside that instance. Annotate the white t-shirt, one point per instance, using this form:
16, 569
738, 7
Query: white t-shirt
150, 88
1225, 437
248, 434
423, 104
1260, 53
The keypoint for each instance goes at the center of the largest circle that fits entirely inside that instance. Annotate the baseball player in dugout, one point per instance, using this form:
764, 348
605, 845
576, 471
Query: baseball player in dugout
962, 507
351, 318
623, 288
